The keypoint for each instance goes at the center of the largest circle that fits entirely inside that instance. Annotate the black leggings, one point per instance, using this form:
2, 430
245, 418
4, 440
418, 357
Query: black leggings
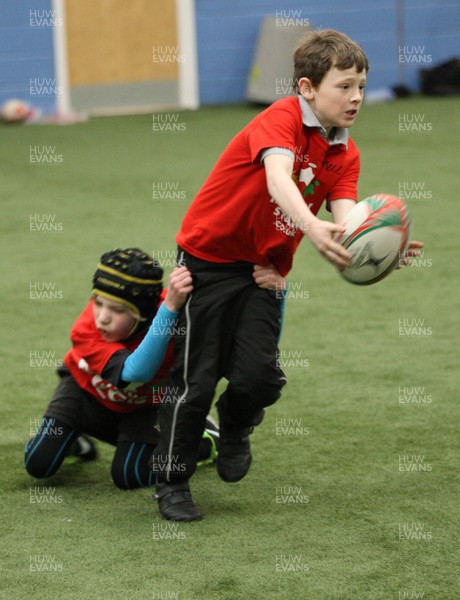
45, 453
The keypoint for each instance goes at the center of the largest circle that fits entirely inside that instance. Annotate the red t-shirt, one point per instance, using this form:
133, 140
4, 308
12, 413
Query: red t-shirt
233, 217
90, 354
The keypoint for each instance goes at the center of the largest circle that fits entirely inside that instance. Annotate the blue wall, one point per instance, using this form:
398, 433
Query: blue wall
26, 52
228, 31
227, 37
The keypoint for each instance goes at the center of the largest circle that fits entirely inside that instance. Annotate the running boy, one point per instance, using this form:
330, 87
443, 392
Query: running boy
260, 199
94, 395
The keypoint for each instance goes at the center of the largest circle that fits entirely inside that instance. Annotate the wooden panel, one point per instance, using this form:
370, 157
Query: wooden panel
114, 41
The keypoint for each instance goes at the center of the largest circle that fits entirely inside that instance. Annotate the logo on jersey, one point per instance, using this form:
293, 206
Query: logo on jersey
306, 181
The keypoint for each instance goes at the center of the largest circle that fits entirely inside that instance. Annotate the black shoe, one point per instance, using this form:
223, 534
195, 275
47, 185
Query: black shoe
83, 448
175, 502
234, 457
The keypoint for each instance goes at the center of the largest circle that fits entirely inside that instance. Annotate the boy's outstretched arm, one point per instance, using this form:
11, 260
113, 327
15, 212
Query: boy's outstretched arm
278, 169
145, 361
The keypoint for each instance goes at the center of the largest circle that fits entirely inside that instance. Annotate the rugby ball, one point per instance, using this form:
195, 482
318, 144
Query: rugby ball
377, 234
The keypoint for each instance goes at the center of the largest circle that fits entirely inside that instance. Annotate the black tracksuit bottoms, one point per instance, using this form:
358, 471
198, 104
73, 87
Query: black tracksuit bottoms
229, 328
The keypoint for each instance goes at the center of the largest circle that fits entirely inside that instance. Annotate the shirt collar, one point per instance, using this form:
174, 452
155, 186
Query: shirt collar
311, 120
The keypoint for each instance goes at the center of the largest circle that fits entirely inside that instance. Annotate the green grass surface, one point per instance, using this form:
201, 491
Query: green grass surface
333, 443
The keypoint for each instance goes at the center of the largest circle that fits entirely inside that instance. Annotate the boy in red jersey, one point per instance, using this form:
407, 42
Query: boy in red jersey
129, 316
260, 199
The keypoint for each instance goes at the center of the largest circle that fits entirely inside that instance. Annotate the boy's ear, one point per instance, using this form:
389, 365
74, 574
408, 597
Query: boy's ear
305, 87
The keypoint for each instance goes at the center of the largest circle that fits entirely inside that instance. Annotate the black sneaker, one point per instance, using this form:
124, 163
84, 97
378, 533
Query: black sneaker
83, 448
175, 502
234, 458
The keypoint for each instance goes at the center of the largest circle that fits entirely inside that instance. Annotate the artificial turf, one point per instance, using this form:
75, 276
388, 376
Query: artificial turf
353, 490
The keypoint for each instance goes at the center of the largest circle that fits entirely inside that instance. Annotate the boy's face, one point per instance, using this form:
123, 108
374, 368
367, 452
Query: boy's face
337, 99
113, 320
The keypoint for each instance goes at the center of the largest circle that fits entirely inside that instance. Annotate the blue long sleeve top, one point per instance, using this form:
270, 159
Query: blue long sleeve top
146, 359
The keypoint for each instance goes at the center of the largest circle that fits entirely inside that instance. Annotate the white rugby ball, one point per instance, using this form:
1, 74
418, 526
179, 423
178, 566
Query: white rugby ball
377, 233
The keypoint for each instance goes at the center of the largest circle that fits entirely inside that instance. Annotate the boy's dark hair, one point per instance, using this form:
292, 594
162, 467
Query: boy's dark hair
319, 51
132, 277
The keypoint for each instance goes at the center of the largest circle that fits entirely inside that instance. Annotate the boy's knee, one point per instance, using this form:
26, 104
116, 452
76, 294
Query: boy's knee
45, 452
37, 467
130, 466
119, 480
265, 386
121, 477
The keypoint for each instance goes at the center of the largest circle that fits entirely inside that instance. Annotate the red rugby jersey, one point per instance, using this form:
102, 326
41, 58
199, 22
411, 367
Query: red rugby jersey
233, 217
90, 354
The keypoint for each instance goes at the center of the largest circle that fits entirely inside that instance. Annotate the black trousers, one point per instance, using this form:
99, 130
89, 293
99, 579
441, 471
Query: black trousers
228, 328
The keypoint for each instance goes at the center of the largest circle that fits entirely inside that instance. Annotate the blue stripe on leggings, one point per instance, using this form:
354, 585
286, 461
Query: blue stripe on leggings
40, 438
63, 447
136, 470
126, 465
